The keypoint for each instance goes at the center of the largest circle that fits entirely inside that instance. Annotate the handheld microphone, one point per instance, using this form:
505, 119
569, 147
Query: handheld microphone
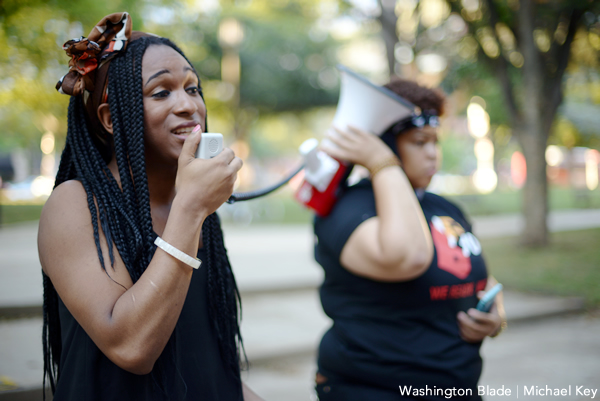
210, 145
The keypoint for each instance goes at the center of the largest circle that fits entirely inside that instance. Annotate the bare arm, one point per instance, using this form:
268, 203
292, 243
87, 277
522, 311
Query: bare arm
131, 323
396, 244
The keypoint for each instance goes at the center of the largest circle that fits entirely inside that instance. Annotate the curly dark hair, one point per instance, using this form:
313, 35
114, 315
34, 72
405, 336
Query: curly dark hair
428, 100
124, 214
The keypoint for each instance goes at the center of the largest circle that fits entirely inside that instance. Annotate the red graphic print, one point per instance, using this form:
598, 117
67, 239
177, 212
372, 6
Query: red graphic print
450, 259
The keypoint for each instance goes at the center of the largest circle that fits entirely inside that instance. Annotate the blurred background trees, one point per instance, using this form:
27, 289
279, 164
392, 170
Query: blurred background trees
534, 37
519, 74
521, 49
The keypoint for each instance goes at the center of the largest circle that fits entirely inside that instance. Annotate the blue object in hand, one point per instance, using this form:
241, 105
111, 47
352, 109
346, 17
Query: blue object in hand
485, 303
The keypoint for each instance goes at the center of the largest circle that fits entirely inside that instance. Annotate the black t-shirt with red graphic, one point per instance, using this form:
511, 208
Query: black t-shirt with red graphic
391, 334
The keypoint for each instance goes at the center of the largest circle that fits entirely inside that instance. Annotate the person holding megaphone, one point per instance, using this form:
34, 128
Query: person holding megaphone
403, 270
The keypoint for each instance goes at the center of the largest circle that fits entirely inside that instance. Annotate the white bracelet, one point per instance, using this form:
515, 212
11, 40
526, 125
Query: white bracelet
177, 254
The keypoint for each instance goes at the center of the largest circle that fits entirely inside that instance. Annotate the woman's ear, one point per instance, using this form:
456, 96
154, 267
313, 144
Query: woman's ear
104, 117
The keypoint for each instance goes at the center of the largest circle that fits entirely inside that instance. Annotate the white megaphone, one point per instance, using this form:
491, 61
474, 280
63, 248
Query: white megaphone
363, 105
367, 106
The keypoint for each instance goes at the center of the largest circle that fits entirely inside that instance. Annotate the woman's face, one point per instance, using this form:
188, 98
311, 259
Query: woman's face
172, 102
418, 150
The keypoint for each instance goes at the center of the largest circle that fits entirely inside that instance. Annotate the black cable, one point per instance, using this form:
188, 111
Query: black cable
244, 196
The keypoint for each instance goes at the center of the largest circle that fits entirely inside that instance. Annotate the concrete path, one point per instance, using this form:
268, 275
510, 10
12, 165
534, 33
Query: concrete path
512, 224
283, 320
557, 352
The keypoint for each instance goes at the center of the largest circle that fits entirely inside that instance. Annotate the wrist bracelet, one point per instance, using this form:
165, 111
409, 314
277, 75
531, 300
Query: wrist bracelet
387, 162
177, 254
502, 314
502, 327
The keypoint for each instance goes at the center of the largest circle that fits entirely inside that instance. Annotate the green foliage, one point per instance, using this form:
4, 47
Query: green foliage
477, 80
276, 38
457, 154
32, 60
275, 74
494, 29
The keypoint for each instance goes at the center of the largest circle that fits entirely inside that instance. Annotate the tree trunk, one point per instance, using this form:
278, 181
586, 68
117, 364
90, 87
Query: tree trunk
532, 134
388, 21
535, 192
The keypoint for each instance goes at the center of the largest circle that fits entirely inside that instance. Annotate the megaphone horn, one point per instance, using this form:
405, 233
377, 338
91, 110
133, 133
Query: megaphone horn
367, 106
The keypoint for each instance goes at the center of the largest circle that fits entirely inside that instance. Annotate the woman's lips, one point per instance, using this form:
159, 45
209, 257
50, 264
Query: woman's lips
431, 171
183, 131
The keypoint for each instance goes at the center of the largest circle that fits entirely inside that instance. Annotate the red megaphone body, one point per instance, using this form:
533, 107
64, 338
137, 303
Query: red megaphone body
322, 177
363, 105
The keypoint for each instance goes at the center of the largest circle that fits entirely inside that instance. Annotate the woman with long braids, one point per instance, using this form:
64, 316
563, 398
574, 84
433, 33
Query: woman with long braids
140, 302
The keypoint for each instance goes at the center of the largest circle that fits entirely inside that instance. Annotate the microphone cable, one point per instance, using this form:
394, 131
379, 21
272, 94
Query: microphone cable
244, 196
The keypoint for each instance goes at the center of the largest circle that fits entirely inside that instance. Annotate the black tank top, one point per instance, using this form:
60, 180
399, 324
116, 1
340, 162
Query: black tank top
391, 334
190, 367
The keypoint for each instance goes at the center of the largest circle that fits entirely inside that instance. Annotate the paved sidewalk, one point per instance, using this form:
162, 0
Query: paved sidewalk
557, 352
512, 224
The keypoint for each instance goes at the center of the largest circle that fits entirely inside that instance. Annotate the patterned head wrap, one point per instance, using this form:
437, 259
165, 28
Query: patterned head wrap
90, 58
89, 55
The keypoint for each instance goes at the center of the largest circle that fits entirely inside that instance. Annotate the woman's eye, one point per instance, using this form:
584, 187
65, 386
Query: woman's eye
161, 94
193, 90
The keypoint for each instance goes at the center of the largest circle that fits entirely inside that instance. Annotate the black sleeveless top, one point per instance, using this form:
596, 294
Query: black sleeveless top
391, 334
190, 367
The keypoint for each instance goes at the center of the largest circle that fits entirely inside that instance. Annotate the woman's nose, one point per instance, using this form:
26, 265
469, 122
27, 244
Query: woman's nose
184, 104
431, 150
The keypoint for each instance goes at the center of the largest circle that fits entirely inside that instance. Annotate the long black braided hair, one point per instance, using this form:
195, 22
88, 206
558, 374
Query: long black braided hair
124, 212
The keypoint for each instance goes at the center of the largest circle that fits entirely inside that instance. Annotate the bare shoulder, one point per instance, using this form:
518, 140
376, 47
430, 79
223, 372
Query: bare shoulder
66, 232
68, 251
68, 197
65, 214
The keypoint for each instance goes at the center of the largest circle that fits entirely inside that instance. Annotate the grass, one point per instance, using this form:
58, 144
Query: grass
569, 266
10, 214
510, 201
282, 208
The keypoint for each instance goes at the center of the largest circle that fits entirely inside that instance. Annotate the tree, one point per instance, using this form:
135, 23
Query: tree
259, 61
32, 61
543, 33
283, 69
526, 45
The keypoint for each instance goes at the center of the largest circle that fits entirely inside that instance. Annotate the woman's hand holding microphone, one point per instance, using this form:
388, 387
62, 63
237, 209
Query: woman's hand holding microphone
204, 185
